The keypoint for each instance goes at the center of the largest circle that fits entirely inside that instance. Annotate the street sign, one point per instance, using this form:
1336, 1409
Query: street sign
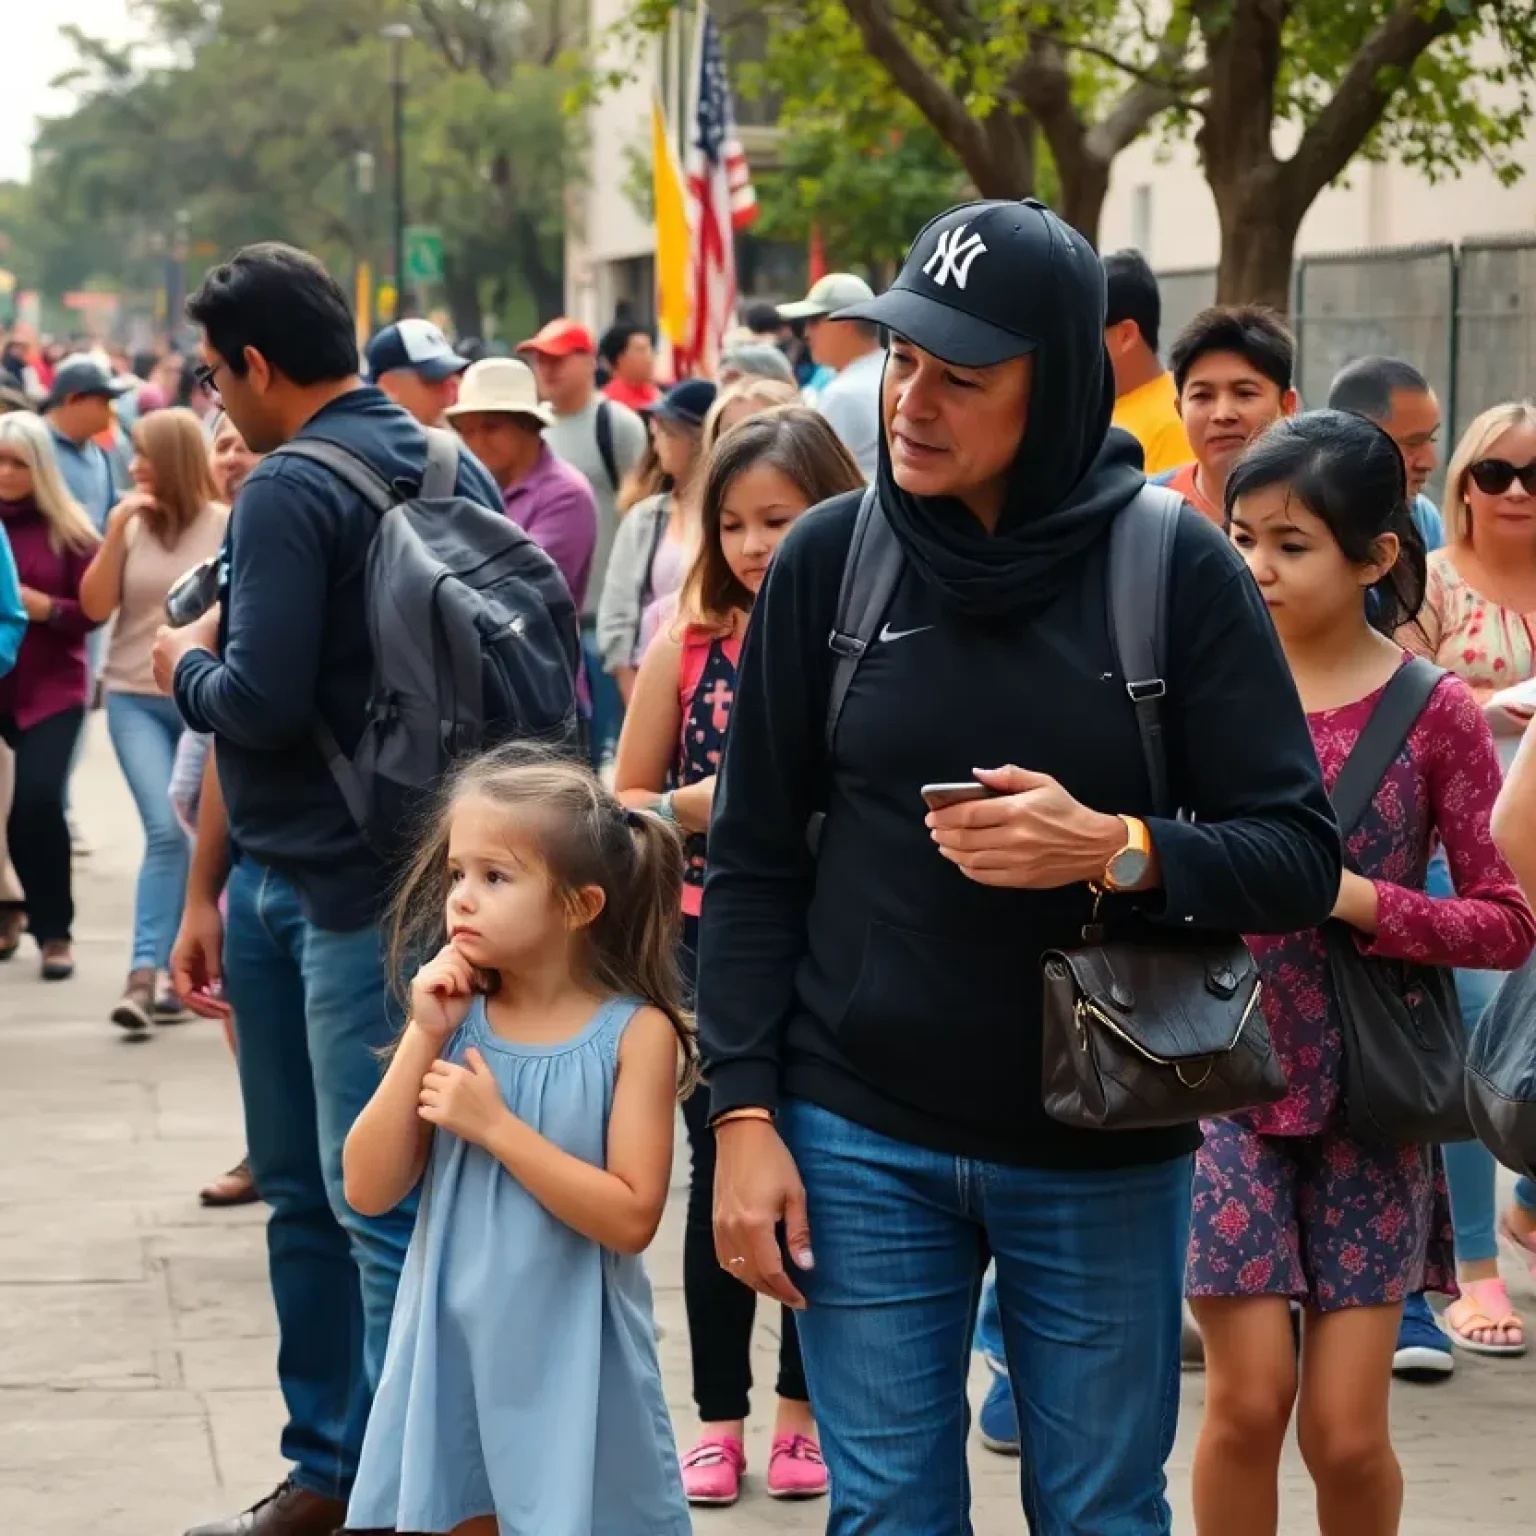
423, 254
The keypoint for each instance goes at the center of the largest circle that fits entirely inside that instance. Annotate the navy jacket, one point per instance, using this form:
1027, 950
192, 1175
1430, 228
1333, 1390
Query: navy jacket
293, 642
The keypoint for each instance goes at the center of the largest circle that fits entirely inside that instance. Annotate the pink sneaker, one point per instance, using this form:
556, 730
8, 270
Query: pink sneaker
795, 1469
712, 1470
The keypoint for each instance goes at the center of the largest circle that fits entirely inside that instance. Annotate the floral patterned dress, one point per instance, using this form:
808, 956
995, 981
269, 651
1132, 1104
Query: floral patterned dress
706, 685
1286, 1203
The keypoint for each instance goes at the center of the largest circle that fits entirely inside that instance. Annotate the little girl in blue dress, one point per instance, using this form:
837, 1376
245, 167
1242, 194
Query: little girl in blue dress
535, 1086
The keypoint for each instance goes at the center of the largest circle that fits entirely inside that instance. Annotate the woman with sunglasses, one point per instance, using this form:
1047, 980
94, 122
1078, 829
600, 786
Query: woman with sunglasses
1477, 621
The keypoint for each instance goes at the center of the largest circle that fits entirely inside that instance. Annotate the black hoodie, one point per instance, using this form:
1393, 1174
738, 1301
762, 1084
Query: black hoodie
878, 981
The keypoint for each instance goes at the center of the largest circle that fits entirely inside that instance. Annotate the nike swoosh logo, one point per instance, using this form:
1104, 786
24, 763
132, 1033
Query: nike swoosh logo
888, 634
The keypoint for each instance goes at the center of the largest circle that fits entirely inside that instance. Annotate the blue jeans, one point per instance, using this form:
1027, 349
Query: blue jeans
145, 728
607, 704
1090, 1282
311, 1010
1469, 1165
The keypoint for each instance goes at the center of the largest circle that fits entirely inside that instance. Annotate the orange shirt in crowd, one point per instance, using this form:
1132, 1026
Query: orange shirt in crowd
1182, 480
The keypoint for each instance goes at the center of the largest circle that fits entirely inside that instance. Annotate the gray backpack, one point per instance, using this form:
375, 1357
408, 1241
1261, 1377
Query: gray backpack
474, 637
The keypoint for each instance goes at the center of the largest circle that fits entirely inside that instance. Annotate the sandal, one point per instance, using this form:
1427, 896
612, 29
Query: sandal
1483, 1307
1524, 1243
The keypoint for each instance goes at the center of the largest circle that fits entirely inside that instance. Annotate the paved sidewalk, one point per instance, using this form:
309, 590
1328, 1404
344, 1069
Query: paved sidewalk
136, 1333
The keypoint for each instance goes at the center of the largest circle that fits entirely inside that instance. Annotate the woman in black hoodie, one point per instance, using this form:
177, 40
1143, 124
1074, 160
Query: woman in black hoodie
871, 1013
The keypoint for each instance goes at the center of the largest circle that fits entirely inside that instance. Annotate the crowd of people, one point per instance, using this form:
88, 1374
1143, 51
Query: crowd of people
855, 781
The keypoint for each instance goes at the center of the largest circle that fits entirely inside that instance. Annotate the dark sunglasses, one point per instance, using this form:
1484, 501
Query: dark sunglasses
1495, 476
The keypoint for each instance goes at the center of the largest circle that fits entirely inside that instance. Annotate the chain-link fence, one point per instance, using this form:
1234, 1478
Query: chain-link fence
1465, 317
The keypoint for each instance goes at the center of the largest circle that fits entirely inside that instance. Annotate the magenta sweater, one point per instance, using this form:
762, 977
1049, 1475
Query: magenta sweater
50, 674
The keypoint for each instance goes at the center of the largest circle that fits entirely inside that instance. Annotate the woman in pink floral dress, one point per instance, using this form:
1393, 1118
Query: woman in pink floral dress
1288, 1206
1479, 621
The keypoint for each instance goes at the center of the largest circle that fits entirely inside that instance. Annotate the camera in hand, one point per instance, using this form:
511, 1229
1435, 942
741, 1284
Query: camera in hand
192, 595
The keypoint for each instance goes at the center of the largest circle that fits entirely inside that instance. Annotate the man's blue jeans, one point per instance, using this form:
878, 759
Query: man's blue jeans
1090, 1278
607, 703
145, 728
311, 1011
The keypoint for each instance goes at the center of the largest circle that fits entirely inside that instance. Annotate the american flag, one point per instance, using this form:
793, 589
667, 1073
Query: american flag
720, 201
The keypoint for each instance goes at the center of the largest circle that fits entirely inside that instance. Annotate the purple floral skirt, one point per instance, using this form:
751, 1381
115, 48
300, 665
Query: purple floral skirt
1320, 1219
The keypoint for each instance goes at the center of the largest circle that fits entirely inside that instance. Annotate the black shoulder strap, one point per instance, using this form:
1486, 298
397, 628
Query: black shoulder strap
1401, 703
870, 574
345, 465
605, 442
1140, 562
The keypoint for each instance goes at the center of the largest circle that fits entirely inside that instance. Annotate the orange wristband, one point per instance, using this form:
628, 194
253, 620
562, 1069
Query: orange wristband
744, 1113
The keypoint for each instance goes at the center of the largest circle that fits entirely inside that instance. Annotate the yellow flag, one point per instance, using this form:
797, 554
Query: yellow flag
673, 306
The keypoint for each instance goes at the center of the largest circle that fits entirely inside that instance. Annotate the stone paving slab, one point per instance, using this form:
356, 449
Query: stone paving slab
137, 1338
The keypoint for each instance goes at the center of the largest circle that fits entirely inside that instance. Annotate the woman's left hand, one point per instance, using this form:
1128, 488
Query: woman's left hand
1029, 835
38, 605
465, 1100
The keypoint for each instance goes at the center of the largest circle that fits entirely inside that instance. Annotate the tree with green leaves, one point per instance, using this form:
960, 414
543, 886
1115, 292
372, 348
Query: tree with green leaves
1436, 83
251, 119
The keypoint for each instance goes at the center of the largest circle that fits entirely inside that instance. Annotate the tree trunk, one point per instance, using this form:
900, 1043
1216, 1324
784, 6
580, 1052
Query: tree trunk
462, 290
1006, 166
1084, 186
1258, 243
545, 277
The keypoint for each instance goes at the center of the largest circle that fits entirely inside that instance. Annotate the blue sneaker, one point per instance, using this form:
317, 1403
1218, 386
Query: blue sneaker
1423, 1351
998, 1421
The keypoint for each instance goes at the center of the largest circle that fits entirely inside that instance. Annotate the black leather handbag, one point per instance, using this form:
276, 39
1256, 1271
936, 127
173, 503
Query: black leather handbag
1169, 1030
1405, 1046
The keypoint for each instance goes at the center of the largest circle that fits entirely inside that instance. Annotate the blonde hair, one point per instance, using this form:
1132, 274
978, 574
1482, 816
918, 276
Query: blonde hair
68, 527
584, 837
1474, 445
762, 394
177, 450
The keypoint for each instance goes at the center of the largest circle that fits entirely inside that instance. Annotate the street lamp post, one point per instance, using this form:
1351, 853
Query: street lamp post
398, 35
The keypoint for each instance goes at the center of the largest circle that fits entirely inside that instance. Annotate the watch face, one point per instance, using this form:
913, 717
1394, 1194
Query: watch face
1127, 867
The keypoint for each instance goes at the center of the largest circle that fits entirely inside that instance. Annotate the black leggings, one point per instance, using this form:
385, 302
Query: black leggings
37, 831
721, 1311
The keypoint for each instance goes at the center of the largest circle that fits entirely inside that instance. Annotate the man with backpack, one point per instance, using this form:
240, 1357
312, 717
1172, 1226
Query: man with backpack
604, 440
357, 536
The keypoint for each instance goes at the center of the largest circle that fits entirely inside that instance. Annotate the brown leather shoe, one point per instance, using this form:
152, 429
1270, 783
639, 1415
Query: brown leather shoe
286, 1511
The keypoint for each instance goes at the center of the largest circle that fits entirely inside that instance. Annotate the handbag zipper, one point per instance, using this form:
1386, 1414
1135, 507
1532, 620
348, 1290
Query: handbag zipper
1084, 1005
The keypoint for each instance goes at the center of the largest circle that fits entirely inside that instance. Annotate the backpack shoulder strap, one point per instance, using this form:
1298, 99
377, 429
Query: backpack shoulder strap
605, 442
345, 465
1140, 563
1401, 703
870, 574
440, 479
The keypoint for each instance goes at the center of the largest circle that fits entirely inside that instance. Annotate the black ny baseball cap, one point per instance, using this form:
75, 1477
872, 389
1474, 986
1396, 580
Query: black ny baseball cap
983, 283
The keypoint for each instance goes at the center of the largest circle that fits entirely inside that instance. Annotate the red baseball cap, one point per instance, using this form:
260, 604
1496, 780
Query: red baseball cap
561, 338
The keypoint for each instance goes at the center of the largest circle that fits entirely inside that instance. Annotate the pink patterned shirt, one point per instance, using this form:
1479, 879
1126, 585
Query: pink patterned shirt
1442, 786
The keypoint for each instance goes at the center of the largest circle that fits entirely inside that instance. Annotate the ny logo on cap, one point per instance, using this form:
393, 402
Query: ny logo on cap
954, 256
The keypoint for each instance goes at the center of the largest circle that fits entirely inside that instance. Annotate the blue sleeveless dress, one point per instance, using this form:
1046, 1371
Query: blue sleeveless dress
521, 1375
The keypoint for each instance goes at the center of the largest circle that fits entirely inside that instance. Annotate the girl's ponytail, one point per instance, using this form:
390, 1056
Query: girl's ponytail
644, 960
1399, 595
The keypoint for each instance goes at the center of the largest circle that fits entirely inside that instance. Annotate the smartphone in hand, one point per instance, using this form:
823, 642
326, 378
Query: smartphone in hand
939, 797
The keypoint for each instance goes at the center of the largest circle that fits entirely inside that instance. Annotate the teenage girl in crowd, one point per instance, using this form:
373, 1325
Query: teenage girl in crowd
1287, 1206
535, 1087
169, 522
43, 697
1477, 622
760, 478
733, 405
656, 540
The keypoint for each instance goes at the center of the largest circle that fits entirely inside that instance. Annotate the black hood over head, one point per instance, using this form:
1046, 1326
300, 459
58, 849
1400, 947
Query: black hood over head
983, 283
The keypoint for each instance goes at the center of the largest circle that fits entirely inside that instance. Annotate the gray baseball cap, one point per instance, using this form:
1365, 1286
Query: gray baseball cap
82, 374
837, 290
